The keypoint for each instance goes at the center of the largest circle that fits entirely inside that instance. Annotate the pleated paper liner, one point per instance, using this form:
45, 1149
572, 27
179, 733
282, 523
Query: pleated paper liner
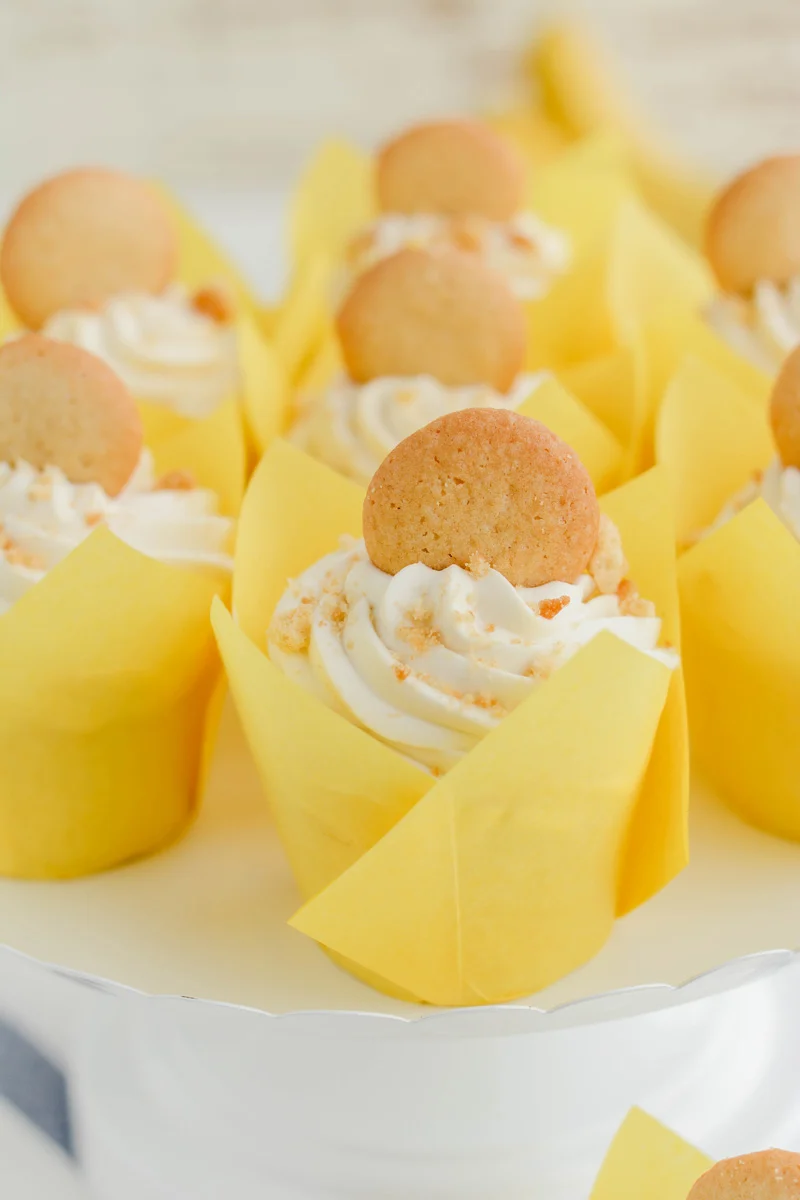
740, 594
215, 448
107, 670
514, 863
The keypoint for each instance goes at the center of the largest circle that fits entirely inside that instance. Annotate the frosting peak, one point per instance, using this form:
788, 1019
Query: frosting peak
163, 348
430, 661
43, 516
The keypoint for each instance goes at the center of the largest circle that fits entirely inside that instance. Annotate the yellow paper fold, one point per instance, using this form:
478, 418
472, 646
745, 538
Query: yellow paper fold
740, 593
200, 259
581, 191
334, 199
641, 269
106, 671
647, 1161
582, 94
533, 134
710, 437
305, 314
596, 447
212, 448
614, 388
515, 862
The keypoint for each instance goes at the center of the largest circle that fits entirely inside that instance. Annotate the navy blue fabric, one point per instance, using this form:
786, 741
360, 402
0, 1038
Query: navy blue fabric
34, 1085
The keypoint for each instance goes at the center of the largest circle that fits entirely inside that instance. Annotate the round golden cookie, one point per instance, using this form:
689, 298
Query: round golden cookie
60, 406
767, 1175
82, 237
785, 411
433, 312
753, 229
483, 487
457, 168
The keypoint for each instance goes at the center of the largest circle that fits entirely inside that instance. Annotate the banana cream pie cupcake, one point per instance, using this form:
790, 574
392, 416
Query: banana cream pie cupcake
72, 459
485, 565
779, 484
457, 183
753, 245
422, 334
90, 257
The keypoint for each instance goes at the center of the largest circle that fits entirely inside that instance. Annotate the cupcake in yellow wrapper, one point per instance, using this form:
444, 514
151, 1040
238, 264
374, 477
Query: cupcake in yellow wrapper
107, 664
740, 588
164, 308
491, 880
420, 370
646, 1159
549, 218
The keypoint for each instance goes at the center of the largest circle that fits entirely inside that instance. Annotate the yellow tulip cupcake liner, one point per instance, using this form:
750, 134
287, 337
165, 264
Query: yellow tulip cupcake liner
215, 449
108, 705
740, 593
508, 872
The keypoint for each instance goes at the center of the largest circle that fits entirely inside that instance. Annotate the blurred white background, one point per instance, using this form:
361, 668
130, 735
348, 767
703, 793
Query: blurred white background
231, 95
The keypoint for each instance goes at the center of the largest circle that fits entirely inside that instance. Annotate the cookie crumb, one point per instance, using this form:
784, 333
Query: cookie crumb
608, 566
16, 556
631, 604
291, 631
216, 303
420, 633
478, 566
176, 481
551, 608
465, 234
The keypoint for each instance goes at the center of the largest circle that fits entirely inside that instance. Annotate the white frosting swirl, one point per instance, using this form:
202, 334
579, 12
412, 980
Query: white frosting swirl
430, 661
779, 486
352, 427
525, 250
764, 329
43, 517
162, 348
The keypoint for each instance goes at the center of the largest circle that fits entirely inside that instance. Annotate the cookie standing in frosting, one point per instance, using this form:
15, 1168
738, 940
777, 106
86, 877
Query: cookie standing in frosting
89, 257
779, 485
485, 566
753, 246
423, 334
72, 458
765, 1175
457, 183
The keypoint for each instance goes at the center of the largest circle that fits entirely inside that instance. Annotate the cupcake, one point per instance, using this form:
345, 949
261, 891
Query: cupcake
91, 257
445, 704
106, 575
753, 246
441, 185
740, 585
458, 184
422, 334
